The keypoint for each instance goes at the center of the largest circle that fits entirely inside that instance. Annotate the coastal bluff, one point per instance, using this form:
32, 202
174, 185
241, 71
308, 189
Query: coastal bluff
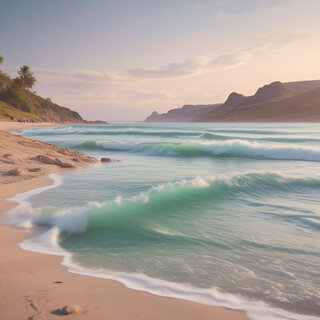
27, 106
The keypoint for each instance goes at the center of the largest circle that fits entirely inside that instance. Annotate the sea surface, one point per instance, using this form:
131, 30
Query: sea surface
223, 214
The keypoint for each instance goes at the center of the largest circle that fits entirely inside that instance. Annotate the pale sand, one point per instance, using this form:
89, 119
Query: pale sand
13, 125
27, 281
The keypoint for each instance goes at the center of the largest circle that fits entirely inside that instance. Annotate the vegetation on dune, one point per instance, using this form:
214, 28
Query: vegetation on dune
8, 112
15, 93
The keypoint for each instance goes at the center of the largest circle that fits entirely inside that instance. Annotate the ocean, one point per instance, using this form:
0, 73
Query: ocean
222, 214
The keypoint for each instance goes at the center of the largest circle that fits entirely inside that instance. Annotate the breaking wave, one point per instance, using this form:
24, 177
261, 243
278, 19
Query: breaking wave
97, 215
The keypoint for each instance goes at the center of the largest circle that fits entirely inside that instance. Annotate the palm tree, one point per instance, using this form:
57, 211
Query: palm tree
26, 77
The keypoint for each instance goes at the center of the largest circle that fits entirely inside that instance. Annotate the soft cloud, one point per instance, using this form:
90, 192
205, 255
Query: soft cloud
77, 76
191, 66
142, 95
175, 69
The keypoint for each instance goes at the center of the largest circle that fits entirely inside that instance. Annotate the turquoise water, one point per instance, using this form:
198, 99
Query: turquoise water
229, 212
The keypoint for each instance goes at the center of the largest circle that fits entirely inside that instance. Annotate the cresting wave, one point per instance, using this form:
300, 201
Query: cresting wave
198, 189
48, 241
230, 148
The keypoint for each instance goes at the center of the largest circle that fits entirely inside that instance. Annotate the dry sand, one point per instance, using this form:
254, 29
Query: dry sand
35, 286
13, 125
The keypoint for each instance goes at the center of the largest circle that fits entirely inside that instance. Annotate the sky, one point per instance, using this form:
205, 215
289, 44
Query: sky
121, 60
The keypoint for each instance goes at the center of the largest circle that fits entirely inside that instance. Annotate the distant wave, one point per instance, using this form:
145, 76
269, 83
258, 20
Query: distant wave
229, 148
114, 130
215, 135
212, 136
105, 132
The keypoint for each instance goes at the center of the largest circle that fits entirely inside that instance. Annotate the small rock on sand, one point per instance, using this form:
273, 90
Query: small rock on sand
16, 172
7, 155
34, 170
38, 316
66, 165
108, 160
74, 308
59, 163
45, 159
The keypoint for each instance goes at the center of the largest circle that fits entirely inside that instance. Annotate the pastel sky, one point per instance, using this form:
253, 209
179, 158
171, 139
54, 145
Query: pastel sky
121, 60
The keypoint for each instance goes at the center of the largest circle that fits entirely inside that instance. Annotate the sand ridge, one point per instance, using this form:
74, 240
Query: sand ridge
22, 158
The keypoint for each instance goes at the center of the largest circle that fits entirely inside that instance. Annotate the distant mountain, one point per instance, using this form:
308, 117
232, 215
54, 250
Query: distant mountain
26, 105
234, 99
302, 86
185, 114
276, 102
274, 91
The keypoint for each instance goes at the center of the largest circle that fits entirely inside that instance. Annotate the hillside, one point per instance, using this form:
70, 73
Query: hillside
274, 91
8, 112
271, 103
301, 108
297, 101
302, 86
28, 105
185, 114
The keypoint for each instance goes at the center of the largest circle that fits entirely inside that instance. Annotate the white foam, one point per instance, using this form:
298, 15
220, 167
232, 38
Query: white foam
240, 147
48, 243
24, 206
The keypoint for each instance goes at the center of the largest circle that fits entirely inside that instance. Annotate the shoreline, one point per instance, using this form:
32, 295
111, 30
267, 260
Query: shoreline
29, 279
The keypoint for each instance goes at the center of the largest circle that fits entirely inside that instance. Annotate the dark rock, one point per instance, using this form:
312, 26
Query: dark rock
7, 155
16, 172
58, 162
61, 164
34, 170
66, 165
45, 159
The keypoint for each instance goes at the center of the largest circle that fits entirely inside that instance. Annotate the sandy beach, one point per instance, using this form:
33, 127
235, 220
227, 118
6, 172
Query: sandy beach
36, 286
